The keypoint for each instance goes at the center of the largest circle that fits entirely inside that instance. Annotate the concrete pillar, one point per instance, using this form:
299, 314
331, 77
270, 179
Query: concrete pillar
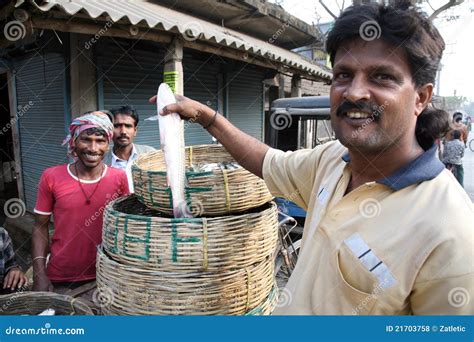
281, 86
296, 86
173, 69
83, 76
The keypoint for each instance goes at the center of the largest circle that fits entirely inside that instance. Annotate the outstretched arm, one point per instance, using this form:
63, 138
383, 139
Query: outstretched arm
39, 251
246, 150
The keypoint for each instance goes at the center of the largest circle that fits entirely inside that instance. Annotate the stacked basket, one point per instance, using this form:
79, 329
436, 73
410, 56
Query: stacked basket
219, 262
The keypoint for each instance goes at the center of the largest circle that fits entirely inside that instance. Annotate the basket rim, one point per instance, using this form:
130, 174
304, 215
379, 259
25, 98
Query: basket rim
136, 168
172, 220
77, 304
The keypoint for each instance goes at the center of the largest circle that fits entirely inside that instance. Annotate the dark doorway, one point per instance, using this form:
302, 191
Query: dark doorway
8, 185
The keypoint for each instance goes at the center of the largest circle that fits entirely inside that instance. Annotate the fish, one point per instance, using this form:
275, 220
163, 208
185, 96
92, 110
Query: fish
171, 128
48, 312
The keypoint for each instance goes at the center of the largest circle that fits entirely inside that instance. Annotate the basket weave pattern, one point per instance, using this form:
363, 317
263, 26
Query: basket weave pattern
33, 303
207, 244
144, 292
217, 192
220, 262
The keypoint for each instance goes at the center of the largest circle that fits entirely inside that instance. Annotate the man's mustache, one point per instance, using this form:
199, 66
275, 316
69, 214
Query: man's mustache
363, 106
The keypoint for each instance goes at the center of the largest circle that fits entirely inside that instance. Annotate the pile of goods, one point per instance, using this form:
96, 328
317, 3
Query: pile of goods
197, 238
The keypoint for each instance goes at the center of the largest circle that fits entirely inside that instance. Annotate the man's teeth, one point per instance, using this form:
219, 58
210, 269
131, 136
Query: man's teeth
358, 115
92, 156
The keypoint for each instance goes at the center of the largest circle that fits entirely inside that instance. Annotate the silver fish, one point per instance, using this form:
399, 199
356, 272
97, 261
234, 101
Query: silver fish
172, 144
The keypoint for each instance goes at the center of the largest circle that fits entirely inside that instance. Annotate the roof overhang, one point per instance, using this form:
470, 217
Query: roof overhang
260, 19
140, 19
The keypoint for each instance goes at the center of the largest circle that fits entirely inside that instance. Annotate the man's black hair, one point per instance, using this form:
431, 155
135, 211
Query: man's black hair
96, 131
456, 134
406, 28
126, 110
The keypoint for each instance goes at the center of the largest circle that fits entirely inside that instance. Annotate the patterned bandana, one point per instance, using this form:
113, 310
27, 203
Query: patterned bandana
90, 120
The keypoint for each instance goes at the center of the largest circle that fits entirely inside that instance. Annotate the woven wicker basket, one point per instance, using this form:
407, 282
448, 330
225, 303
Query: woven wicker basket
135, 291
212, 193
134, 235
33, 303
268, 305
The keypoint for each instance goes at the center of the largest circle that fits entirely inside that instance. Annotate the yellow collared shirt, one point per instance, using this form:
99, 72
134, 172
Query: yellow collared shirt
400, 246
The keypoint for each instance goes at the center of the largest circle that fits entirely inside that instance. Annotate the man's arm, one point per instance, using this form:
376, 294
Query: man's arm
39, 251
246, 150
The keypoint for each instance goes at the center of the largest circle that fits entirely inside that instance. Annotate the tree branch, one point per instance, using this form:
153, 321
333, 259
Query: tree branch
429, 4
327, 9
450, 3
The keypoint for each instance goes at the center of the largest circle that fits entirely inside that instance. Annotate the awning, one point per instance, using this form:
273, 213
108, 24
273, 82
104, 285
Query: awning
155, 15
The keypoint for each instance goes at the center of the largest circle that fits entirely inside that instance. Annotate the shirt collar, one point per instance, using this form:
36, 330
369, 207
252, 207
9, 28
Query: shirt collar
425, 167
133, 155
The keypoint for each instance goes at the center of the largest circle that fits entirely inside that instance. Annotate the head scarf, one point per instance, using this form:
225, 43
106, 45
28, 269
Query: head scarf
86, 121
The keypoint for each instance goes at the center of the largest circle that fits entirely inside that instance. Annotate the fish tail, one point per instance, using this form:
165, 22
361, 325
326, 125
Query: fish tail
182, 210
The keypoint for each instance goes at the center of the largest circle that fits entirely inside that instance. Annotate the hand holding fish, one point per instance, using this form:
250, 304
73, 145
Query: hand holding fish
246, 150
188, 110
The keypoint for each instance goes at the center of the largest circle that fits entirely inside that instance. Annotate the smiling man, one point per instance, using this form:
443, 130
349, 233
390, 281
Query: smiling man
124, 151
76, 195
388, 229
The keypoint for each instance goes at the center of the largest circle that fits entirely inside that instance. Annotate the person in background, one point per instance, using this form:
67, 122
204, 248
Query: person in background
459, 126
124, 152
76, 195
11, 276
453, 153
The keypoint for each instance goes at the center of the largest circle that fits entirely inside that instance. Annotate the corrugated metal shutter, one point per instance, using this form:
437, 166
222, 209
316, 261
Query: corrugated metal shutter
41, 80
200, 84
245, 100
131, 76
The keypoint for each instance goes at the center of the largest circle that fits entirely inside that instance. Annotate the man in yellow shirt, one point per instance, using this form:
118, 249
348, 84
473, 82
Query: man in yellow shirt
389, 230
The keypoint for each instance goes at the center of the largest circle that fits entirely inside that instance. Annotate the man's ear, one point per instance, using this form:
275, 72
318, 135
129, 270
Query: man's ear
423, 97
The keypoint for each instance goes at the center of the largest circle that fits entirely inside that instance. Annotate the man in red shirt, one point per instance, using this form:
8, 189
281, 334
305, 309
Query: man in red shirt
76, 195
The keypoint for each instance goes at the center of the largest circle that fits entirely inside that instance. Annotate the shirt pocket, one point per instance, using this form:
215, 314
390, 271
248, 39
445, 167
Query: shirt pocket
357, 284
